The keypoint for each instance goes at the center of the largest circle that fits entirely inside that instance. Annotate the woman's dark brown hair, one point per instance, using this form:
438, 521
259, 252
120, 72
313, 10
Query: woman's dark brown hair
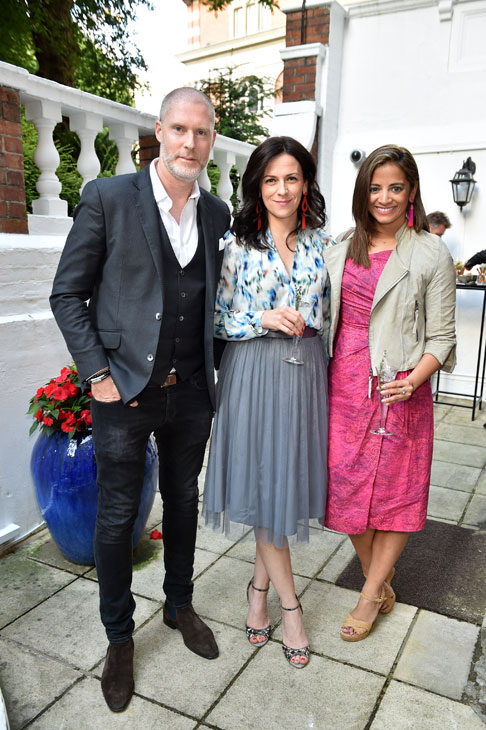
365, 223
245, 224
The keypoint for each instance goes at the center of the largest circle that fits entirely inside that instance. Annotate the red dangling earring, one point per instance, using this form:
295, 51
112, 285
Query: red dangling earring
259, 211
410, 215
304, 208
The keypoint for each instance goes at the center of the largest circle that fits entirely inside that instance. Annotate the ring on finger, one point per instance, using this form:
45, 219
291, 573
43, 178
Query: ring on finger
403, 391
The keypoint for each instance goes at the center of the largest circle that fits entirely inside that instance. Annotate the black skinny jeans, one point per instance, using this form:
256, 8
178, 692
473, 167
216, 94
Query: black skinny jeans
180, 418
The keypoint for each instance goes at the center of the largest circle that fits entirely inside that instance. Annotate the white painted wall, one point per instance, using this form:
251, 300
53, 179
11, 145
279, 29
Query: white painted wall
410, 78
32, 352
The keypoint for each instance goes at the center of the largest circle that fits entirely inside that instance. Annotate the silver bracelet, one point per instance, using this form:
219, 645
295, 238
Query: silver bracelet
98, 378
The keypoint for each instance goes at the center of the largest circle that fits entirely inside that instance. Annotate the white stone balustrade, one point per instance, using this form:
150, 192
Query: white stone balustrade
47, 103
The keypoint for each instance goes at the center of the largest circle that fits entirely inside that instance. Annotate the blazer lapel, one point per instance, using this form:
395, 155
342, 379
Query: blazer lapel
209, 250
397, 266
149, 216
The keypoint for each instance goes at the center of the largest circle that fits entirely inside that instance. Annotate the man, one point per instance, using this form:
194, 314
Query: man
438, 222
145, 250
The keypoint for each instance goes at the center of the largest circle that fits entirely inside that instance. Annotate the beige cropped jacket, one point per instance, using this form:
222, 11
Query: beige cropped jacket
413, 309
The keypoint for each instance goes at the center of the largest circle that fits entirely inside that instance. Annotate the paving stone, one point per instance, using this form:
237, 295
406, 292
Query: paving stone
481, 484
209, 539
457, 453
84, 707
220, 593
67, 625
454, 476
409, 708
26, 583
30, 682
461, 434
447, 503
325, 694
167, 672
435, 645
307, 558
148, 578
440, 412
46, 551
325, 607
333, 569
463, 417
476, 512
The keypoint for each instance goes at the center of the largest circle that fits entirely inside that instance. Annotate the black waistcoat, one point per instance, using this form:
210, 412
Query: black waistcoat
181, 339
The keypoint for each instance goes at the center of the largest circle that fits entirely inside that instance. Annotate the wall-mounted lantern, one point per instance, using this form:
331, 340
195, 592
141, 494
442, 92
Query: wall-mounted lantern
463, 183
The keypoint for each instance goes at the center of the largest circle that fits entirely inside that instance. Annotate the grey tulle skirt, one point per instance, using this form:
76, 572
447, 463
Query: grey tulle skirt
267, 464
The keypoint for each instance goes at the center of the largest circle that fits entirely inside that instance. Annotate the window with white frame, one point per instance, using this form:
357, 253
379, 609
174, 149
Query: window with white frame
250, 17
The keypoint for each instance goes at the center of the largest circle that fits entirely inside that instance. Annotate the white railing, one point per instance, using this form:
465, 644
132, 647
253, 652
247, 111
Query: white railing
47, 102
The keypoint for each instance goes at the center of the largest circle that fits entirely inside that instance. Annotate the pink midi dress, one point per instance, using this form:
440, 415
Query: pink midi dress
376, 482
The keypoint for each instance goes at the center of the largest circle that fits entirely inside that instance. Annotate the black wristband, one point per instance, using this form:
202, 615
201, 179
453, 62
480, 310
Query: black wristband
98, 378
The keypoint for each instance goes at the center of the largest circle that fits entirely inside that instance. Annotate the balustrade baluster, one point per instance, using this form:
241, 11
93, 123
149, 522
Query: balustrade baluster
225, 161
87, 127
124, 135
45, 115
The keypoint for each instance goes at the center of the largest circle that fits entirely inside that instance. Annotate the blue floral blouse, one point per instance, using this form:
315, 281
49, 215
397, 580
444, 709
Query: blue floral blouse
253, 281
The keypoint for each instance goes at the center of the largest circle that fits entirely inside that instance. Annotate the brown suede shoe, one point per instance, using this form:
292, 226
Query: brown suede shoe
117, 679
197, 636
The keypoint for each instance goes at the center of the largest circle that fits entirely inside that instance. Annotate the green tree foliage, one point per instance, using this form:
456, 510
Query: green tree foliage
81, 43
222, 4
238, 104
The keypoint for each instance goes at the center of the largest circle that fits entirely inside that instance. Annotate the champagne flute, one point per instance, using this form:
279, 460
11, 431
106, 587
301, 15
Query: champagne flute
304, 308
386, 374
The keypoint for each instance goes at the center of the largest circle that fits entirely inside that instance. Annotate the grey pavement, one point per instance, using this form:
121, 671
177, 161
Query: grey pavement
416, 671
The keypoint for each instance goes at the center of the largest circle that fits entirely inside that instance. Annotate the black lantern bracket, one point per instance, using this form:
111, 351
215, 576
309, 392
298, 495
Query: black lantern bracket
463, 183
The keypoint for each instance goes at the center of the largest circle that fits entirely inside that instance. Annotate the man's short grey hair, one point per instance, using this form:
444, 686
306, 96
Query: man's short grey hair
186, 93
437, 218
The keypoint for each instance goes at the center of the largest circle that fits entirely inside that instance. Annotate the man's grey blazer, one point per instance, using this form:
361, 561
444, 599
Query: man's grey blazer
113, 260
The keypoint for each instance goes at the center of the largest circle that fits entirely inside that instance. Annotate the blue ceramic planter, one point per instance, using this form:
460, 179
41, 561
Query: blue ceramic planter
64, 474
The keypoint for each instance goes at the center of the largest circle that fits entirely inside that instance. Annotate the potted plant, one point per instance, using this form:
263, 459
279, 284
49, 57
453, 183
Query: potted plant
63, 467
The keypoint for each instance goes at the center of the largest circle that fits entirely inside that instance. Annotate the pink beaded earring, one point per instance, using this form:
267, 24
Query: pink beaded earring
410, 215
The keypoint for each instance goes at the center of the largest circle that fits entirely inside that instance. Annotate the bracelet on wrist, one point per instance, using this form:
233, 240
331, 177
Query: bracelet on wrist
98, 378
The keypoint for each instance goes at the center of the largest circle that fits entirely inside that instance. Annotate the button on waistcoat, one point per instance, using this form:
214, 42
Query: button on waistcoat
181, 339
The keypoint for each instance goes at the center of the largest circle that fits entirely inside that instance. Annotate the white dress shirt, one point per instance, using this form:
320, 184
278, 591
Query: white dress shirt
183, 236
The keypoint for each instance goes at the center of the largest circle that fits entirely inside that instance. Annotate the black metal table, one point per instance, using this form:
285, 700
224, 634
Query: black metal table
477, 398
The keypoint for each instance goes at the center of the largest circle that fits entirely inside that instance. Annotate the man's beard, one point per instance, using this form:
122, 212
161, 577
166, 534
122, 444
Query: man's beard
180, 173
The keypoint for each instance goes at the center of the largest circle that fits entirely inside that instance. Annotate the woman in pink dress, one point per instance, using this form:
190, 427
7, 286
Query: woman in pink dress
393, 292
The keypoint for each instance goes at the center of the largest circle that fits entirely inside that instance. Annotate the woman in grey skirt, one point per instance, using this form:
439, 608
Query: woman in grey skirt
267, 463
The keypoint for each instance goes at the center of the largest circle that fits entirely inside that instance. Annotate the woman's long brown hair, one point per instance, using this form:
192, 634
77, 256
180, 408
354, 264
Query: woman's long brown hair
365, 223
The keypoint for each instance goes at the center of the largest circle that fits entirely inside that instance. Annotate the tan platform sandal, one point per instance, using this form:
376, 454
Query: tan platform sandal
390, 596
361, 628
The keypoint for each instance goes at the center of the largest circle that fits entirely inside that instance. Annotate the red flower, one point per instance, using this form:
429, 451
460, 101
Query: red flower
39, 393
62, 415
38, 415
48, 421
49, 389
60, 393
156, 535
86, 417
66, 427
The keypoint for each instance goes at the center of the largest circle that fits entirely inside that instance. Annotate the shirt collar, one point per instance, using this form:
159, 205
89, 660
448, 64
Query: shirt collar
160, 194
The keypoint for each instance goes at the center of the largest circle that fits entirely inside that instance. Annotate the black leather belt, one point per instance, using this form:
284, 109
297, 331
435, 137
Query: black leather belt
171, 379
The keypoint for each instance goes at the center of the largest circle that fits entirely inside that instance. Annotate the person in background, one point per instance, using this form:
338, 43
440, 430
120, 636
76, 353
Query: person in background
438, 223
392, 291
145, 250
477, 259
267, 462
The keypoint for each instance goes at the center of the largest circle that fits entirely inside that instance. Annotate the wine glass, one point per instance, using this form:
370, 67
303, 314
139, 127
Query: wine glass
305, 309
386, 374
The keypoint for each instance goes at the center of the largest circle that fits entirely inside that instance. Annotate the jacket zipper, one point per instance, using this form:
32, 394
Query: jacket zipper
369, 321
415, 320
